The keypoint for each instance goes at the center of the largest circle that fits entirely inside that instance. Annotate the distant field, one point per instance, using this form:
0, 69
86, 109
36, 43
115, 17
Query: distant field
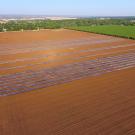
114, 30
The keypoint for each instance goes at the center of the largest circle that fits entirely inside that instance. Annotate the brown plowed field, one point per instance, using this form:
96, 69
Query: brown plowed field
64, 82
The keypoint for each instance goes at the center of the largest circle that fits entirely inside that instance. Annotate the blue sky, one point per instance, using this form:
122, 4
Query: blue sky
69, 7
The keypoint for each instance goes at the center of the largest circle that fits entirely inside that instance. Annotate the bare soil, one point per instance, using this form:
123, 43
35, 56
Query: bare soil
100, 105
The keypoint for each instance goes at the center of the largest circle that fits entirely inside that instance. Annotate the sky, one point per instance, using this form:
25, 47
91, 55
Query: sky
69, 7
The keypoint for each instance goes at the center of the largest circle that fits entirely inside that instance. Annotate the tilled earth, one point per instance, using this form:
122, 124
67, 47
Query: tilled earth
66, 82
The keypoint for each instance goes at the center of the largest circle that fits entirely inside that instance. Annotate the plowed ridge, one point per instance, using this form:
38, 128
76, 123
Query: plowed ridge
64, 82
32, 80
33, 66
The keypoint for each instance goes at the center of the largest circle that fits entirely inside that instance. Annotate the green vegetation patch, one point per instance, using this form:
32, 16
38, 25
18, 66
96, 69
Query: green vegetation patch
114, 30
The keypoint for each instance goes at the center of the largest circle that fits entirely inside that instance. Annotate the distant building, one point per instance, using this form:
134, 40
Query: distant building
36, 18
133, 21
60, 18
22, 30
104, 18
4, 30
3, 21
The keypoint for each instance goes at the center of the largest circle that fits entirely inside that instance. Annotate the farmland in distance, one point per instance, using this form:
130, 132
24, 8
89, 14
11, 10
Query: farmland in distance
113, 30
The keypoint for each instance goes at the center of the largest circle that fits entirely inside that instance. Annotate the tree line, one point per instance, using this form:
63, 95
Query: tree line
49, 24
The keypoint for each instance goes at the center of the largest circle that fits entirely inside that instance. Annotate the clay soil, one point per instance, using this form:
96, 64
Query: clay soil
100, 105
